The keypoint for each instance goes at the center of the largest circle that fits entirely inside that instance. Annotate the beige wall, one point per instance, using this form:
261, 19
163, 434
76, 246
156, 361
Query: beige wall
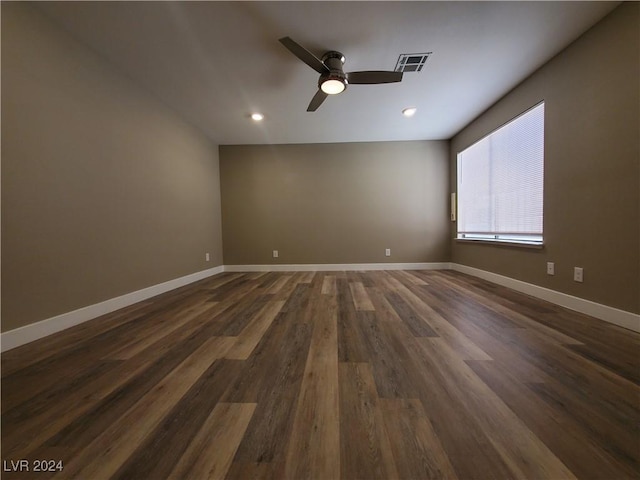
104, 190
335, 203
592, 167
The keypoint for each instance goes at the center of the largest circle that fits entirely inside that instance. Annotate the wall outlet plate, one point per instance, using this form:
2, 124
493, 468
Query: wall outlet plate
387, 252
275, 254
578, 274
206, 257
551, 268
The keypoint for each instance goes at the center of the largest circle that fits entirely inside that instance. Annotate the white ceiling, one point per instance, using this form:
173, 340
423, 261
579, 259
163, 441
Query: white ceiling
216, 62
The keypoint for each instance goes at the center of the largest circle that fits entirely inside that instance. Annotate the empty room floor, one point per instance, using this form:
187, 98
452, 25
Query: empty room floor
390, 374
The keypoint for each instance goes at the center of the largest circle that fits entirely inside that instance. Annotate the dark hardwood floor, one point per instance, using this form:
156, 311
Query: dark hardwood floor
396, 374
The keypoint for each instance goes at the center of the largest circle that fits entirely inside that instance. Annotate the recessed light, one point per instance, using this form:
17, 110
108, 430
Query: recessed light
409, 111
257, 116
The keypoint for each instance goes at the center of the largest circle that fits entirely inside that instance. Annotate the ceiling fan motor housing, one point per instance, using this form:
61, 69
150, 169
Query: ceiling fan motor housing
334, 62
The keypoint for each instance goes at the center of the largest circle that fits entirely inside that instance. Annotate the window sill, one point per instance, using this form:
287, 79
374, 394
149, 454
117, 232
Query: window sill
501, 243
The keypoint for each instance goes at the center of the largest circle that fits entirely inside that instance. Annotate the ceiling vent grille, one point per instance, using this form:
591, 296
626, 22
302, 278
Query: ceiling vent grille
411, 62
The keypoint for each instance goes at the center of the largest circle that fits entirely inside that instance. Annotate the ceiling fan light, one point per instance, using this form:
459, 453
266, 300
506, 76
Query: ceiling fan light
409, 111
332, 86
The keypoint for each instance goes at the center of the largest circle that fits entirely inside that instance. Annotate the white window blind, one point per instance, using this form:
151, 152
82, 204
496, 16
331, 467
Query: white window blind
501, 181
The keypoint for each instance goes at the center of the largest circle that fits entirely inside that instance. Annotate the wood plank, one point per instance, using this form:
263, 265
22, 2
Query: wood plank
617, 433
271, 378
438, 324
388, 356
329, 285
609, 356
493, 303
414, 443
247, 341
150, 367
28, 426
238, 283
350, 343
277, 361
60, 369
104, 456
182, 316
408, 276
161, 450
279, 283
212, 450
365, 450
382, 305
498, 342
576, 450
366, 279
107, 396
251, 471
314, 446
519, 448
297, 296
306, 277
233, 320
293, 291
361, 300
470, 451
417, 326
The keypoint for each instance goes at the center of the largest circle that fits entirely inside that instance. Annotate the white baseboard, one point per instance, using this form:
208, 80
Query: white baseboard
613, 315
49, 326
337, 267
35, 331
29, 333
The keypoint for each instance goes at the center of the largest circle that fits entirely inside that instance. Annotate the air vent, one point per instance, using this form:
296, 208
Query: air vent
411, 62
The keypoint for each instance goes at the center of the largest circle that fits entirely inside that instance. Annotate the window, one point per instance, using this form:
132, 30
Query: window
500, 183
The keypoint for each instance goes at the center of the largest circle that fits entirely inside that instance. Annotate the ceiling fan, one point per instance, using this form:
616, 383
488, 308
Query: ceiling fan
333, 79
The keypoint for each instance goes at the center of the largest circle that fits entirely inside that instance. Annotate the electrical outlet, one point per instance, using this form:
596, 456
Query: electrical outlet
551, 268
578, 274
206, 256
387, 252
275, 254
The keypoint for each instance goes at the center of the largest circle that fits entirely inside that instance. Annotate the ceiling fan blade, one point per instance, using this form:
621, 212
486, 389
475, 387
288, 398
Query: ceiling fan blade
305, 55
372, 77
316, 101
